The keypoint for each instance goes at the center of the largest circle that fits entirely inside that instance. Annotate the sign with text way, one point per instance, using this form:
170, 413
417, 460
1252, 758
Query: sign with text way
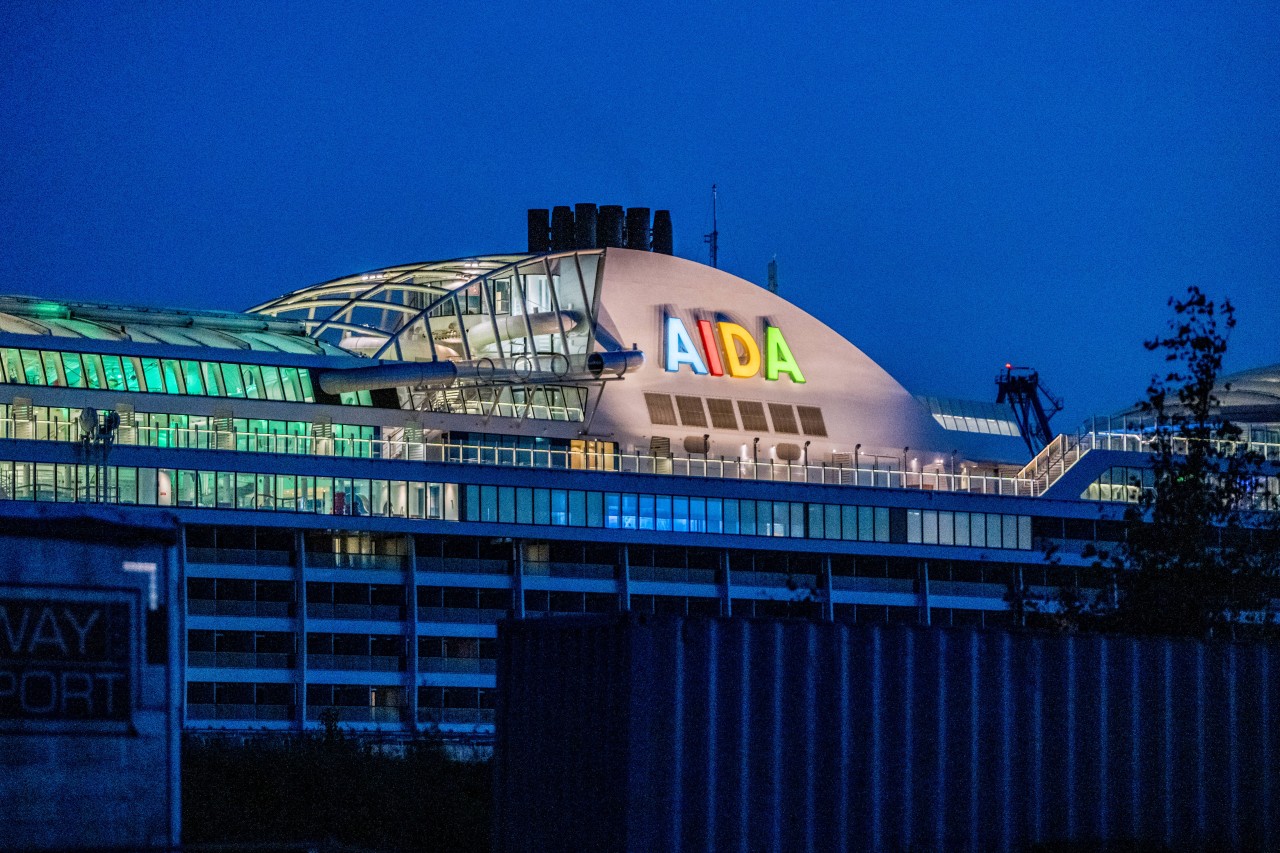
65, 656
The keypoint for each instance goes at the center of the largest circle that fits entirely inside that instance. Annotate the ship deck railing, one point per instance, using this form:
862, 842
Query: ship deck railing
942, 476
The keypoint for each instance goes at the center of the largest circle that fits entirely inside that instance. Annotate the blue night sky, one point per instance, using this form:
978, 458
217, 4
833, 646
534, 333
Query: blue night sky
949, 187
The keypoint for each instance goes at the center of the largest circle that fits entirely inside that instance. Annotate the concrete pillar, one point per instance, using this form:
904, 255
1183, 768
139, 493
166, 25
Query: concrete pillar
924, 593
181, 603
517, 579
624, 578
300, 670
726, 585
411, 628
828, 605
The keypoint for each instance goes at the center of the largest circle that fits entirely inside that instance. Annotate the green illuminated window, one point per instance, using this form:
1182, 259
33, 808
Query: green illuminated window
93, 371
252, 381
191, 372
161, 376
113, 372
32, 368
232, 381
151, 373
72, 370
51, 375
289, 382
244, 491
13, 366
271, 383
132, 373
213, 379
172, 376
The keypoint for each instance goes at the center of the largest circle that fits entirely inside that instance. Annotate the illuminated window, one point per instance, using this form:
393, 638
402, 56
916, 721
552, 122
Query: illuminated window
172, 376
72, 370
13, 367
191, 373
213, 380
152, 376
32, 368
232, 381
52, 376
132, 368
252, 381
93, 371
271, 383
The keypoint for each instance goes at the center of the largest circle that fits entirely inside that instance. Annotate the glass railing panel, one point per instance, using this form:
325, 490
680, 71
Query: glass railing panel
578, 570
475, 616
457, 565
873, 584
671, 575
357, 713
462, 716
486, 666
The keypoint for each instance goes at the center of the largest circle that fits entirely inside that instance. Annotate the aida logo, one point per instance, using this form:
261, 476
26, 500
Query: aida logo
728, 348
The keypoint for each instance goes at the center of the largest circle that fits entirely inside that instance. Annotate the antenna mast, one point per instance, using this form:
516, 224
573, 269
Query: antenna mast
713, 239
773, 275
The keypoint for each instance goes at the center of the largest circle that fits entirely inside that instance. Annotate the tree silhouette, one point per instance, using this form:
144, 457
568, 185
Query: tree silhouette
1201, 548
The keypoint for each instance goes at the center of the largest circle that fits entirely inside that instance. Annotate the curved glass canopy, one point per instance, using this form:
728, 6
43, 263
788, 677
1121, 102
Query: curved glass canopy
530, 314
520, 325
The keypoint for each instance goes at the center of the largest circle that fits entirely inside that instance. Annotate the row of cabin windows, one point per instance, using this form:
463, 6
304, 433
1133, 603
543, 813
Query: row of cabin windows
199, 432
681, 514
282, 642
234, 590
47, 481
145, 374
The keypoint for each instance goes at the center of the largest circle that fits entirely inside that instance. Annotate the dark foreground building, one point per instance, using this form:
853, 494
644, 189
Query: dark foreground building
642, 733
369, 473
90, 684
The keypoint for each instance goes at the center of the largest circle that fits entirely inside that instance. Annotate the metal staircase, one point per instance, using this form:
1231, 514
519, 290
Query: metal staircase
1054, 460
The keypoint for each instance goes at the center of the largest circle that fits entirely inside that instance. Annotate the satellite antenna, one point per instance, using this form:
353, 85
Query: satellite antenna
713, 239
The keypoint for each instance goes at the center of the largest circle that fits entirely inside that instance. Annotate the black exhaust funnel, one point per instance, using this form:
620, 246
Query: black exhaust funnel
539, 231
662, 238
561, 228
609, 232
638, 228
584, 226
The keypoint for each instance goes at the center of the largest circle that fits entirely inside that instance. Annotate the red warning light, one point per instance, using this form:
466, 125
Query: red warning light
1008, 367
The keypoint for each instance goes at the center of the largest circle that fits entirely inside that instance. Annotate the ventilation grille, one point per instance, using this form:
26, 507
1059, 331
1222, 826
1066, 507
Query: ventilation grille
752, 416
811, 422
749, 416
722, 415
691, 411
784, 419
844, 463
661, 411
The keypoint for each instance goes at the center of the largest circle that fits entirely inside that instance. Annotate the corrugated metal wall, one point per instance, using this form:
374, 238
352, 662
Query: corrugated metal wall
664, 733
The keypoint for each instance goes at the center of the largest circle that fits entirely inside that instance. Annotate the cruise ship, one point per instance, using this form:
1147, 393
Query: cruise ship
372, 471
